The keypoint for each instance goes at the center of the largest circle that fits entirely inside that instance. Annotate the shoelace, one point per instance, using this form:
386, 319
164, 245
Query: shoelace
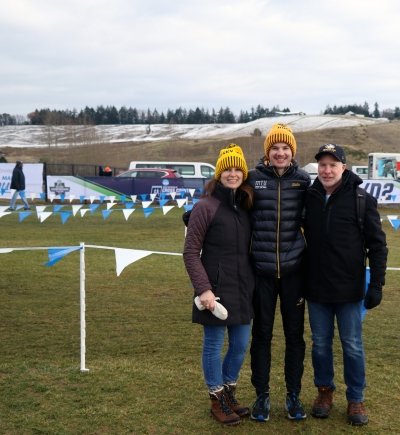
231, 397
224, 405
262, 401
356, 408
324, 397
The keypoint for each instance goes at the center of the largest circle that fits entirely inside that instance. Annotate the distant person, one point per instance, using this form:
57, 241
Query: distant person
277, 249
216, 256
337, 249
18, 183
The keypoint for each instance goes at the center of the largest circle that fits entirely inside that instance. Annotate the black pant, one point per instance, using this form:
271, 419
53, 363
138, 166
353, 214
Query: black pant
289, 289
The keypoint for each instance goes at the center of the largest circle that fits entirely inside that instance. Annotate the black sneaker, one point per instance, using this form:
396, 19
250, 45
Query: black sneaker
294, 407
261, 407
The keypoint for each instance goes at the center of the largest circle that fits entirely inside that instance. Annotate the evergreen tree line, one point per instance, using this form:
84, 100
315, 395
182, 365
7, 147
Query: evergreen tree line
363, 110
104, 115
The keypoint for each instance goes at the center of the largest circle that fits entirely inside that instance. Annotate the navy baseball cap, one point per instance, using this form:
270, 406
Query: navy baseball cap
332, 149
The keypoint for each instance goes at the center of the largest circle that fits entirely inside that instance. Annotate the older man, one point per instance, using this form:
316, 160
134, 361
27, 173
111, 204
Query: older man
337, 249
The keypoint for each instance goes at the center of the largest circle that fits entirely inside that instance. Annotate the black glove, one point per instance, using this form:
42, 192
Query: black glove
373, 297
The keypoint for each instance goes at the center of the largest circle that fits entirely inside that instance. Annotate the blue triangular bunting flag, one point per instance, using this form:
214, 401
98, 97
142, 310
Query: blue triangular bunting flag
58, 207
93, 207
106, 213
65, 215
148, 211
23, 215
56, 254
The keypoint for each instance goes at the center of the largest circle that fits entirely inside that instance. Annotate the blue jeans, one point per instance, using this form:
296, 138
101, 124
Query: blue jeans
322, 321
21, 193
218, 371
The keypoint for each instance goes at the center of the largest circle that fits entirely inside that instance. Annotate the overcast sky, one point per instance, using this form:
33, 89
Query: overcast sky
305, 55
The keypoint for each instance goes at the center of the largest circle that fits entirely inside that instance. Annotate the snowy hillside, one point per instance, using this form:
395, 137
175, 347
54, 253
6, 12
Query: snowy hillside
39, 136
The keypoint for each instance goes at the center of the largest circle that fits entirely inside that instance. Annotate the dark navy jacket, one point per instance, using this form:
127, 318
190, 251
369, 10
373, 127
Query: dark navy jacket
278, 242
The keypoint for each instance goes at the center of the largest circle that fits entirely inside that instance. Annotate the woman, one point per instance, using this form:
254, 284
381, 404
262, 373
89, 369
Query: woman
216, 256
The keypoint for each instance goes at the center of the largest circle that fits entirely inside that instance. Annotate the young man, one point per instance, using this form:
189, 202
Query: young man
277, 250
337, 248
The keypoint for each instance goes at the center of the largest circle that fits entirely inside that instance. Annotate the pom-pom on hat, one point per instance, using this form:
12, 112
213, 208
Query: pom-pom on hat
280, 133
231, 157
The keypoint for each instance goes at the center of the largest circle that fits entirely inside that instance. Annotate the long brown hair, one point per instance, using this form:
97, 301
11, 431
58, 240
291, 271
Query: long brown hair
245, 197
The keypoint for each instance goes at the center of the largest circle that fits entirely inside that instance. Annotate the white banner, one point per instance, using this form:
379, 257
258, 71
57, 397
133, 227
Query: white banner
33, 178
385, 191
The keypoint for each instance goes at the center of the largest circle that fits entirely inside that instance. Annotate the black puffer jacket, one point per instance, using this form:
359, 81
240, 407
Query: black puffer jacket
278, 242
217, 258
335, 246
18, 178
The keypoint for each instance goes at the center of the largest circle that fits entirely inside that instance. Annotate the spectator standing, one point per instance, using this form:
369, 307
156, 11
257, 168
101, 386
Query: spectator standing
217, 259
18, 183
277, 248
337, 249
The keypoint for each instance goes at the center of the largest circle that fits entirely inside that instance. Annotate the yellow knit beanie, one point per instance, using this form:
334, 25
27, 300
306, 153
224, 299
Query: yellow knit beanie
280, 133
231, 157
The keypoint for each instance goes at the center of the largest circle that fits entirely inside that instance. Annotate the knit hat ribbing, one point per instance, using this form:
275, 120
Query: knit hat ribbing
280, 133
231, 157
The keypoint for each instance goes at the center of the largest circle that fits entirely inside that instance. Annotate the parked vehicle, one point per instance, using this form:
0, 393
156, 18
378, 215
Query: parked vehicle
185, 169
150, 173
361, 171
384, 166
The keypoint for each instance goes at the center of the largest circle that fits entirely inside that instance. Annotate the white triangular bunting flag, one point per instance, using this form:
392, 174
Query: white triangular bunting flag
167, 208
44, 215
83, 211
71, 198
92, 198
51, 197
191, 192
32, 196
127, 212
173, 194
181, 202
146, 204
110, 204
125, 257
4, 213
152, 196
111, 198
40, 209
133, 198
76, 208
3, 208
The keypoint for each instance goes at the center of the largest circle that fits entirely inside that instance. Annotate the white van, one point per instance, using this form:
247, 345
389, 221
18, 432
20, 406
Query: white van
361, 171
185, 169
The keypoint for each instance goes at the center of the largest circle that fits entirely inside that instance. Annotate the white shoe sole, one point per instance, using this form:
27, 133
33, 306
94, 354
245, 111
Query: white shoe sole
219, 310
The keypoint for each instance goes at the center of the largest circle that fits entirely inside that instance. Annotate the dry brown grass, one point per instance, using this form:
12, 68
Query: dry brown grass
358, 141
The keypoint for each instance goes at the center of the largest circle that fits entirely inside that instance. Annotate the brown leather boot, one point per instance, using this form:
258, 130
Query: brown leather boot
357, 414
220, 409
323, 403
241, 411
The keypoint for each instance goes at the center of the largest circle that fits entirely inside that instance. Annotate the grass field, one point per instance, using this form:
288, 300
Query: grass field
143, 353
